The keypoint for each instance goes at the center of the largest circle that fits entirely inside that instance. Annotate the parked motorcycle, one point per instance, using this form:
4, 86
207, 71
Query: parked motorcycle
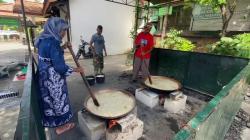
81, 51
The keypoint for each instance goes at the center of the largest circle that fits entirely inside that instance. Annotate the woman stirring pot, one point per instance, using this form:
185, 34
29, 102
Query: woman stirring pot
52, 70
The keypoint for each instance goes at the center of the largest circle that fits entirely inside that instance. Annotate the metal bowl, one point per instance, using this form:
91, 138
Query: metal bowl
125, 96
162, 87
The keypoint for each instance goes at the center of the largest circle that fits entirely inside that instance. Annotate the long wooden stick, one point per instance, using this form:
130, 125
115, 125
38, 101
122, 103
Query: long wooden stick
83, 78
143, 62
149, 77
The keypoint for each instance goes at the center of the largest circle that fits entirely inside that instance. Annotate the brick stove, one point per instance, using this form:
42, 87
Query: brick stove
173, 102
125, 128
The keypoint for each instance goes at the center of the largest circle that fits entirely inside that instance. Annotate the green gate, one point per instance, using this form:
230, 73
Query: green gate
214, 120
224, 77
29, 125
206, 73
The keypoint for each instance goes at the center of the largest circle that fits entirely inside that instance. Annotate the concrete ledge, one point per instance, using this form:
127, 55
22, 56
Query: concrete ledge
148, 98
94, 128
174, 106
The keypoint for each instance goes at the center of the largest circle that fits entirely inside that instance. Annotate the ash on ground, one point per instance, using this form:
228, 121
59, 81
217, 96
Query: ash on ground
162, 125
241, 121
158, 123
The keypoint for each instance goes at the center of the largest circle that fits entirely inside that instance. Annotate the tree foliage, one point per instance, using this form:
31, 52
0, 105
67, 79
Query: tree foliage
227, 8
238, 45
213, 3
6, 28
175, 42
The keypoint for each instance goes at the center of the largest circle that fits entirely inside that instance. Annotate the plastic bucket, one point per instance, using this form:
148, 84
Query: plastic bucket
91, 80
100, 78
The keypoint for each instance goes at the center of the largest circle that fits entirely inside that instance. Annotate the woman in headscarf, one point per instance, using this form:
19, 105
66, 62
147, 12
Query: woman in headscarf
54, 100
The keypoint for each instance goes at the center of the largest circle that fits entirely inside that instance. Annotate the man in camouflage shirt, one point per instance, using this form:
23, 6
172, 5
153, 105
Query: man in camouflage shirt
98, 48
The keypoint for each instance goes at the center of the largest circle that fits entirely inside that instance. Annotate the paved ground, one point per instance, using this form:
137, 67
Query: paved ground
245, 134
114, 66
246, 107
158, 124
240, 127
9, 108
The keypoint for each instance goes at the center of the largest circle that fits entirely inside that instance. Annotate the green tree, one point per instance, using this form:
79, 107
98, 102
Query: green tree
176, 42
6, 27
227, 8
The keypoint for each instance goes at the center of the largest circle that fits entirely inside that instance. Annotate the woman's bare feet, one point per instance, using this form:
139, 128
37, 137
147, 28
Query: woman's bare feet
64, 128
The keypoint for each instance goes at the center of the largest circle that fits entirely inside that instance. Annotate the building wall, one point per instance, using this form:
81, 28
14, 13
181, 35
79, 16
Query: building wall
117, 21
205, 19
180, 18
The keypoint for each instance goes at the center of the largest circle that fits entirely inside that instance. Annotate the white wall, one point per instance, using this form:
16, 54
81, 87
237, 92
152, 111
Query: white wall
117, 21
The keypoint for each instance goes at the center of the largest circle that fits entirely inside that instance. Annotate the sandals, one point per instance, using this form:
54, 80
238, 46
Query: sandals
64, 128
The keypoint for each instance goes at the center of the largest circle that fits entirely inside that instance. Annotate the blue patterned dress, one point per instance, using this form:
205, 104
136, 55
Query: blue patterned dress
54, 100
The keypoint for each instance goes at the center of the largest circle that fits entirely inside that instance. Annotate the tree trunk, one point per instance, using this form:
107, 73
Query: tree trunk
164, 29
227, 14
136, 18
224, 20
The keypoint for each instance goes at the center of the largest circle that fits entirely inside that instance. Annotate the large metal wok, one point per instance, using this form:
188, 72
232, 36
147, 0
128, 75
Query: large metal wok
162, 83
113, 104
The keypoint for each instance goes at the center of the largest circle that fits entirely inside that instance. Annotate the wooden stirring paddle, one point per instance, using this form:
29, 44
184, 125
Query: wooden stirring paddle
83, 77
143, 62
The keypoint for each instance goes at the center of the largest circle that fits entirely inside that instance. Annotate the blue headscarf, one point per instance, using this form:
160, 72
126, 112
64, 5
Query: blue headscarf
52, 28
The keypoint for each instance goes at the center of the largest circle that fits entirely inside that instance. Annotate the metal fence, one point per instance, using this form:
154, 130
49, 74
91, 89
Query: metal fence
223, 77
206, 73
29, 125
214, 120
